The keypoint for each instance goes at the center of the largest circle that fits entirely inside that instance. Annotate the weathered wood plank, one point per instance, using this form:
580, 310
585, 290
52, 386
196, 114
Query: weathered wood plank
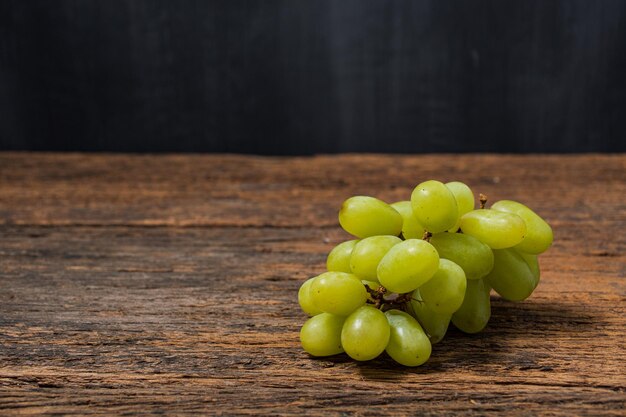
132, 317
102, 315
211, 190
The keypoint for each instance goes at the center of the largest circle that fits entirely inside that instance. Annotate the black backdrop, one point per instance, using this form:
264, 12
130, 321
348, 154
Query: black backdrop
299, 77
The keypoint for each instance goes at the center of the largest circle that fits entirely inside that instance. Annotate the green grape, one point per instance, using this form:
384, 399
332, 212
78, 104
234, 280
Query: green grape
511, 276
365, 333
411, 229
305, 300
464, 200
538, 234
321, 335
434, 206
469, 253
338, 259
408, 344
444, 292
497, 229
364, 216
475, 311
435, 324
403, 207
367, 254
408, 265
533, 264
338, 293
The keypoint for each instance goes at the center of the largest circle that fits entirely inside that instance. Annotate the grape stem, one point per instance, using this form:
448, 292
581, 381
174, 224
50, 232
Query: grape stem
483, 200
427, 236
393, 301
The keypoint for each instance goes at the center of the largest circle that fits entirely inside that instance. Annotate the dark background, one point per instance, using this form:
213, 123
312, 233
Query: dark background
300, 77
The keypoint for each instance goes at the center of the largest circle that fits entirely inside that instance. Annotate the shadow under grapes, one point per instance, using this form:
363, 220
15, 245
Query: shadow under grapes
517, 335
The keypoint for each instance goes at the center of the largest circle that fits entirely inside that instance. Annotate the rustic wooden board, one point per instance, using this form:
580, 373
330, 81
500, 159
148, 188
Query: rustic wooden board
167, 284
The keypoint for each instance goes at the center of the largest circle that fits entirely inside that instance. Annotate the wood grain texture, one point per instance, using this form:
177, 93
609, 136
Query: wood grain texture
167, 285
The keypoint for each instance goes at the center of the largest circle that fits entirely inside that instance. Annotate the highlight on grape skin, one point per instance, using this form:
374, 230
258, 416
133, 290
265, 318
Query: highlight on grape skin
435, 206
364, 216
416, 266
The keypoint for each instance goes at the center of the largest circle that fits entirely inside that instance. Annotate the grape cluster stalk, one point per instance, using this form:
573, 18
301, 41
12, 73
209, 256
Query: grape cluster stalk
414, 267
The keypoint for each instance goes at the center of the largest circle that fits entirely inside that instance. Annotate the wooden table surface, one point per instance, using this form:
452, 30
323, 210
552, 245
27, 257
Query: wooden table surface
167, 284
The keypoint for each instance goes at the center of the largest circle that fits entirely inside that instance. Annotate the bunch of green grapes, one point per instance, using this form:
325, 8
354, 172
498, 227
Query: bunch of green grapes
414, 267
